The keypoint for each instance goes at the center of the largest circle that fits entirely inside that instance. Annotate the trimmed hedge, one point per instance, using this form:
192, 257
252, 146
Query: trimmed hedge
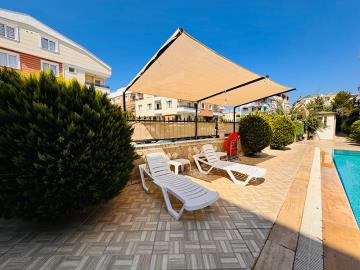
355, 131
255, 133
299, 128
63, 147
283, 130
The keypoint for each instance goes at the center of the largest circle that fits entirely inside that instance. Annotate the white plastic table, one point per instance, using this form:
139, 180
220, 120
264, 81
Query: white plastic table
181, 162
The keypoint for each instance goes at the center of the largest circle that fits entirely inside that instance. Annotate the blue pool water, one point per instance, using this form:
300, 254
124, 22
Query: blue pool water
348, 167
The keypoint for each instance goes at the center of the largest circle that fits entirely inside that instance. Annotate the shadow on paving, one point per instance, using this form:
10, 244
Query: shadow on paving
134, 231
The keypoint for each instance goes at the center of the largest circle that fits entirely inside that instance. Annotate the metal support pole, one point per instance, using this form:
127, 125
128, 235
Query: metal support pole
217, 127
124, 101
234, 119
196, 120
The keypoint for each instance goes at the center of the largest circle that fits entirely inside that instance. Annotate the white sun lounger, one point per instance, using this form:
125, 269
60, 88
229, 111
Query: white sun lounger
192, 195
210, 158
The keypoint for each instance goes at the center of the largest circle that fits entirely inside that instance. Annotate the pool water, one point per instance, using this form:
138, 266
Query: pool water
348, 167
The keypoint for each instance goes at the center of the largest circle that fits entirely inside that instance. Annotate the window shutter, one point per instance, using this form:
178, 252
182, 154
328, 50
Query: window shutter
3, 61
2, 29
44, 43
52, 46
10, 32
13, 63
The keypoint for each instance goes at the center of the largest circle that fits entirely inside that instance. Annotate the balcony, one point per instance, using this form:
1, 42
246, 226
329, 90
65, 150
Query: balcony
103, 88
158, 111
157, 98
185, 108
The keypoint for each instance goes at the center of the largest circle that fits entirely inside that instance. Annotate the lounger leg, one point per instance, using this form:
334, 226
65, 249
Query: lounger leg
241, 183
199, 167
169, 207
143, 180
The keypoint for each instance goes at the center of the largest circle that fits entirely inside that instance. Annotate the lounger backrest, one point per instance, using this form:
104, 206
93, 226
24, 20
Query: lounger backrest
158, 164
210, 154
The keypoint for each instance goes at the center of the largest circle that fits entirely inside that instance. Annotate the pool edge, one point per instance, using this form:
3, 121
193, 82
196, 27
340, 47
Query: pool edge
340, 230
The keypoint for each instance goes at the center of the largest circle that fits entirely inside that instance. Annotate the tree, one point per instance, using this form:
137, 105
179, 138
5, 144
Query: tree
295, 112
312, 124
63, 147
317, 105
343, 104
255, 133
283, 130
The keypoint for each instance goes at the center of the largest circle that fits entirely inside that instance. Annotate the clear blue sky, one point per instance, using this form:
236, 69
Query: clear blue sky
311, 45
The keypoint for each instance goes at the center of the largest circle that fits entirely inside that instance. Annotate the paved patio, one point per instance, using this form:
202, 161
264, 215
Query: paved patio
134, 230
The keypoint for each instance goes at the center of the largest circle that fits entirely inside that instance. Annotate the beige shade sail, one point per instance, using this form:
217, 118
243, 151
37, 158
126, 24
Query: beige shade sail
184, 68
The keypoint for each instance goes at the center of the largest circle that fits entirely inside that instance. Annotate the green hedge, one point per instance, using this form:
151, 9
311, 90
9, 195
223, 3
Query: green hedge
255, 133
355, 131
299, 128
283, 130
63, 147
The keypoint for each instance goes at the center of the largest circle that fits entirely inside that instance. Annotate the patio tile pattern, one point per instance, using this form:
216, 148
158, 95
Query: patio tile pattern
134, 230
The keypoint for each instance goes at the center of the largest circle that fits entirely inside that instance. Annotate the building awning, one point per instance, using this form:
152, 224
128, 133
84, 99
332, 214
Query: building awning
184, 68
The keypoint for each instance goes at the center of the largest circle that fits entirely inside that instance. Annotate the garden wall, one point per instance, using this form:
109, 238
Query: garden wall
174, 150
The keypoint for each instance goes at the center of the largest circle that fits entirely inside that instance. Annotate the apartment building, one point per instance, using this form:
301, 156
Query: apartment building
130, 98
229, 116
155, 107
30, 46
326, 97
268, 104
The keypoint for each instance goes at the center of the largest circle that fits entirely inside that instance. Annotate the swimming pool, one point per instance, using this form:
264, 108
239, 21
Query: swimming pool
348, 167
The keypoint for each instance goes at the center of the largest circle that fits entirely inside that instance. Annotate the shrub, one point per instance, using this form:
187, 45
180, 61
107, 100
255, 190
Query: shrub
283, 130
299, 128
355, 131
255, 133
63, 147
312, 124
346, 123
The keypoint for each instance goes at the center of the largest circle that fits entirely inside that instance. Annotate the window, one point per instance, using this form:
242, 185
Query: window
71, 69
140, 108
8, 31
53, 67
203, 106
169, 103
8, 59
48, 44
210, 107
97, 82
325, 121
149, 106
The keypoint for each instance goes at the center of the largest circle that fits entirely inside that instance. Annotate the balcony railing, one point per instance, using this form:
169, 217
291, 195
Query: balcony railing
185, 106
98, 85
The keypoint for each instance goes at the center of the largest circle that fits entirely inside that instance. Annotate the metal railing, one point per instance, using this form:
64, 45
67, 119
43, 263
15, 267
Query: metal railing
97, 84
151, 131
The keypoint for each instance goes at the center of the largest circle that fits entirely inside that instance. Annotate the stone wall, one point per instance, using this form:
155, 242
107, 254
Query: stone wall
174, 150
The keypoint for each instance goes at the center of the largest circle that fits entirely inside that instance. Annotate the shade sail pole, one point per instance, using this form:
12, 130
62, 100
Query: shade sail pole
234, 119
196, 120
124, 102
234, 88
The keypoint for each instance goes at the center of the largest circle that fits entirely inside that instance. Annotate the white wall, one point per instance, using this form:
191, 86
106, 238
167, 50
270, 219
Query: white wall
79, 74
327, 133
